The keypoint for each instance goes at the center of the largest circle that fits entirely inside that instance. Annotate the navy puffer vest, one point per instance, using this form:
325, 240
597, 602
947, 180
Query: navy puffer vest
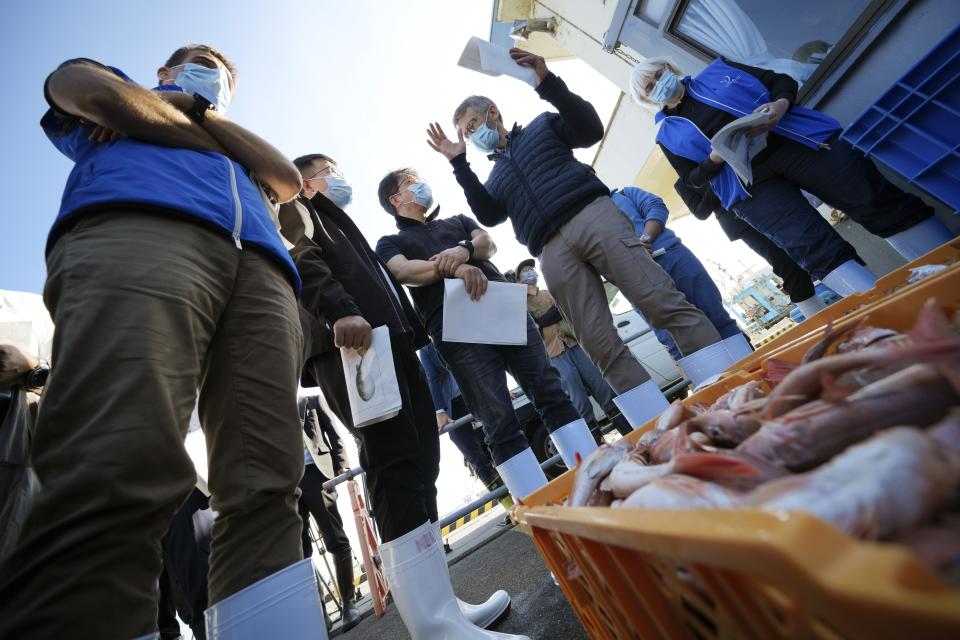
540, 183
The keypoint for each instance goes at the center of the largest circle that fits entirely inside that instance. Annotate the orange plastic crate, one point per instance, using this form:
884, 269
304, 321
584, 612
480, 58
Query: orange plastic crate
890, 284
742, 574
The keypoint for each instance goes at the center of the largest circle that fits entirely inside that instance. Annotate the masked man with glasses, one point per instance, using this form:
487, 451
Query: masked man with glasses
347, 291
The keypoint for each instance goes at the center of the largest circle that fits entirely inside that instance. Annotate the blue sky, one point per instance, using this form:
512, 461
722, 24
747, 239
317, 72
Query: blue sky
356, 80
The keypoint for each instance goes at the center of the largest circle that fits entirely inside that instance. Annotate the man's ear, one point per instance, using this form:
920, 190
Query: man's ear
164, 75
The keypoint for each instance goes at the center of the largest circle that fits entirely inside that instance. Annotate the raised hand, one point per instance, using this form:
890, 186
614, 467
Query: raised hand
527, 59
440, 143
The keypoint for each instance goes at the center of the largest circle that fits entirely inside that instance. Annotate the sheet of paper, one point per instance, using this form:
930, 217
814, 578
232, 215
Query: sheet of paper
732, 144
498, 317
480, 55
372, 381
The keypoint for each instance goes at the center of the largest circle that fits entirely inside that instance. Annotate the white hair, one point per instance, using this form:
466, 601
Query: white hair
644, 73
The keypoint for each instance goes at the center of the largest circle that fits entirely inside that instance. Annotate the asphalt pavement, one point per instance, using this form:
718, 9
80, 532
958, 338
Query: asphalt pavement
494, 557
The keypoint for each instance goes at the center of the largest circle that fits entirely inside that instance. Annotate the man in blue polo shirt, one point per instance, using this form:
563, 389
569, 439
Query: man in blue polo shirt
423, 252
649, 215
165, 275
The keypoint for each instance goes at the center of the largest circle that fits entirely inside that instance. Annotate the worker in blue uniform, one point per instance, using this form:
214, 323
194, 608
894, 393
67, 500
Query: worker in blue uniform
649, 214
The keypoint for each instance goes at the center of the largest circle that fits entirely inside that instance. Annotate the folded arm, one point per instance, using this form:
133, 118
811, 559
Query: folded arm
94, 93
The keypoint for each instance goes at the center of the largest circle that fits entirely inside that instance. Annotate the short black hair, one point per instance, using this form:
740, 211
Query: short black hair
178, 56
389, 186
304, 161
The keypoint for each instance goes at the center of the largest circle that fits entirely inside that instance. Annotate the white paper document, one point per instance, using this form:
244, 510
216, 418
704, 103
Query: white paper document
480, 55
732, 144
372, 381
498, 317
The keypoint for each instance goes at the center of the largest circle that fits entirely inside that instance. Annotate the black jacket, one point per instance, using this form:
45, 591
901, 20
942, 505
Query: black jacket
325, 442
703, 202
341, 276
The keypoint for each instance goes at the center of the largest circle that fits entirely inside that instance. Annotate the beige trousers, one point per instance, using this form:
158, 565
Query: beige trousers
601, 241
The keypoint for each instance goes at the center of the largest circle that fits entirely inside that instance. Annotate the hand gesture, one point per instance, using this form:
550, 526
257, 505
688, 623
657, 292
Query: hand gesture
440, 143
473, 279
776, 110
14, 364
447, 261
352, 332
442, 420
527, 59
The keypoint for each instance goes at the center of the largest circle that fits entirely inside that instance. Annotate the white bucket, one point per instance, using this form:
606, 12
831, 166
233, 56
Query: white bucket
705, 365
285, 604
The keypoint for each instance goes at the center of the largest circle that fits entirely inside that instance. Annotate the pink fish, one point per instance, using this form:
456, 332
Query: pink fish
593, 469
727, 468
811, 434
878, 488
682, 492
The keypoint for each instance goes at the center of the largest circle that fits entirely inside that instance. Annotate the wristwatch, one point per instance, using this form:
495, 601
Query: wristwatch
36, 377
468, 245
198, 112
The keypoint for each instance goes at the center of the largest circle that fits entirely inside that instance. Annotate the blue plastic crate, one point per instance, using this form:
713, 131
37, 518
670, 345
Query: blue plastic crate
914, 127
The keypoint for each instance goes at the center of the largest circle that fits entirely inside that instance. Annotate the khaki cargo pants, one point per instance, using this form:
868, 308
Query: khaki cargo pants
147, 310
601, 241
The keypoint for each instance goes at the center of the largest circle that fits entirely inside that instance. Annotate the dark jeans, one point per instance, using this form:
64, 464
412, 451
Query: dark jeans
693, 281
842, 177
322, 505
581, 379
186, 559
480, 371
401, 456
470, 443
796, 281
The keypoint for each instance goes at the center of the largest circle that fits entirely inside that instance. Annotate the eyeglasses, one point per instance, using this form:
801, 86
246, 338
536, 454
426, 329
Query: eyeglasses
409, 180
329, 170
474, 123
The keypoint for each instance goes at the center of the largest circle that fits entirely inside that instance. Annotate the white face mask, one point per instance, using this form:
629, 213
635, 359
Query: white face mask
211, 84
338, 191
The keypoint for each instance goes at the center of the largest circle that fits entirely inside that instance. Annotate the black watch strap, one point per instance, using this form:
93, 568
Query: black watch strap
468, 245
36, 377
198, 112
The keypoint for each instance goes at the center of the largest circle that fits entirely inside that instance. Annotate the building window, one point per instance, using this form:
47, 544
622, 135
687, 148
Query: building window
787, 37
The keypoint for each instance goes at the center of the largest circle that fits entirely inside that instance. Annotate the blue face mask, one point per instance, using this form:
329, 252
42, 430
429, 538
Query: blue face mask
211, 84
422, 194
484, 138
338, 191
666, 89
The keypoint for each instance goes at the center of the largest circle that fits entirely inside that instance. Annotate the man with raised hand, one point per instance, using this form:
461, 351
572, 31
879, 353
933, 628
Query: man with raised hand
564, 215
165, 275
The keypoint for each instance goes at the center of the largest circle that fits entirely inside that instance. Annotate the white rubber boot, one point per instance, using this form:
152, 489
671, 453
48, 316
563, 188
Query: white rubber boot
704, 365
486, 614
920, 238
571, 439
738, 347
416, 569
285, 604
850, 277
522, 474
811, 306
641, 404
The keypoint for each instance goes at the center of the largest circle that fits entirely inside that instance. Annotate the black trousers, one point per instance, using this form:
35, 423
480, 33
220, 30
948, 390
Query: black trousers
401, 456
796, 281
842, 177
322, 505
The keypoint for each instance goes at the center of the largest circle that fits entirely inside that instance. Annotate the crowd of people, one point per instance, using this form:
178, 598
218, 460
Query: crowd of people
191, 257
